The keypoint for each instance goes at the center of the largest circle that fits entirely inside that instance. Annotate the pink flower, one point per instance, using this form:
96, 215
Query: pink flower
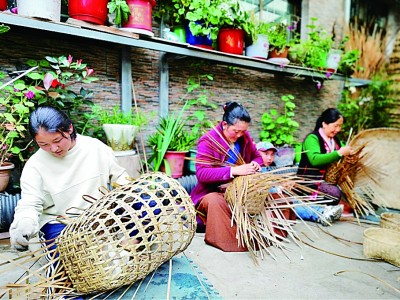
328, 74
78, 62
89, 71
319, 85
69, 59
29, 95
47, 81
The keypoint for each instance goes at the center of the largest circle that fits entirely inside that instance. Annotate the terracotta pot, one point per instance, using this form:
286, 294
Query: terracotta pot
274, 54
93, 11
141, 15
231, 40
5, 171
176, 160
3, 4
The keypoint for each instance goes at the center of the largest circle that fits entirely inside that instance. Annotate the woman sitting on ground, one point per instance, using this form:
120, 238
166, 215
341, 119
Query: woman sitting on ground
326, 214
216, 165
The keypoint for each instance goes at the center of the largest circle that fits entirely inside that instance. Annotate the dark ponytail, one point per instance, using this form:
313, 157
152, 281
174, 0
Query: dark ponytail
51, 120
330, 115
233, 112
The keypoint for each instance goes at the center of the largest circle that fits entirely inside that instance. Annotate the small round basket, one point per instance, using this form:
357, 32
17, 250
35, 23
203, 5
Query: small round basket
127, 233
382, 243
390, 221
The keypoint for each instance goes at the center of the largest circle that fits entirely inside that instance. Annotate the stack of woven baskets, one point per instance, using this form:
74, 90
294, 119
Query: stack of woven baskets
384, 242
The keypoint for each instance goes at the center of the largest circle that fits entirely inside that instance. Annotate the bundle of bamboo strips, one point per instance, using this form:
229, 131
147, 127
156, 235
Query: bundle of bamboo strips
372, 49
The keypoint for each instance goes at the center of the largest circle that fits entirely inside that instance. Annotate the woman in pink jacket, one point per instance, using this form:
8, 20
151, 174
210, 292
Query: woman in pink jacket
220, 156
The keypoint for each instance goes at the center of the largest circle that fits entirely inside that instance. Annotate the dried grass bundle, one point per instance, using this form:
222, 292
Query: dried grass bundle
262, 208
372, 48
119, 239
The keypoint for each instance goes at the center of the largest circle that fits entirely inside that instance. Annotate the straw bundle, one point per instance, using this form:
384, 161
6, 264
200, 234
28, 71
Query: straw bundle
122, 237
261, 207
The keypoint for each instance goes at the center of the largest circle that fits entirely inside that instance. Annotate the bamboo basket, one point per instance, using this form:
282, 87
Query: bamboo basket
121, 238
390, 221
382, 243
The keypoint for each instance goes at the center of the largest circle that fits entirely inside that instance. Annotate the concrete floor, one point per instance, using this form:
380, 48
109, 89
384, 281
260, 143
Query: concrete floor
305, 273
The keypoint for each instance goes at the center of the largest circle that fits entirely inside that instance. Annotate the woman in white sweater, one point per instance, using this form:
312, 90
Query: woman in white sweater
53, 181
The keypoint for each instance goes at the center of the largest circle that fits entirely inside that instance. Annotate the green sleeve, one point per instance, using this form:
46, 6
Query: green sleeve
313, 151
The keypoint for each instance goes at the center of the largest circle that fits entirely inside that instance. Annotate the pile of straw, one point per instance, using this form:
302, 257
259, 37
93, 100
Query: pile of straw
118, 240
372, 48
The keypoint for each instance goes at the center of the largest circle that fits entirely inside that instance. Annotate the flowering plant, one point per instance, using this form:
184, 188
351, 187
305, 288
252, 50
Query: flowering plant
15, 106
48, 82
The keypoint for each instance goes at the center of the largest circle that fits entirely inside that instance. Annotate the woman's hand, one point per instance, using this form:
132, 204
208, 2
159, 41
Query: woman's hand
344, 151
246, 169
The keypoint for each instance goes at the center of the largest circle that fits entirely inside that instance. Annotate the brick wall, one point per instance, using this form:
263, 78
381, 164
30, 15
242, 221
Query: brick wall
258, 91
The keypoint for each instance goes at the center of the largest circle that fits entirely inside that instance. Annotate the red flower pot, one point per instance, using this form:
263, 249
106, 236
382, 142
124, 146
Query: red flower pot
141, 14
231, 40
93, 11
3, 4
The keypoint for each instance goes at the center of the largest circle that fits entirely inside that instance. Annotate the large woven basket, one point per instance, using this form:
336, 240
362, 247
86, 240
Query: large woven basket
127, 233
382, 243
390, 221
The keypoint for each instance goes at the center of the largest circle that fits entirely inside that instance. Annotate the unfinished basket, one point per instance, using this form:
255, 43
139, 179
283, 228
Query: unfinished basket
127, 233
390, 221
382, 243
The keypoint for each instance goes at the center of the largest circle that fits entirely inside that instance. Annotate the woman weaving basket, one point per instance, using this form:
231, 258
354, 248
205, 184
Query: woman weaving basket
321, 148
217, 152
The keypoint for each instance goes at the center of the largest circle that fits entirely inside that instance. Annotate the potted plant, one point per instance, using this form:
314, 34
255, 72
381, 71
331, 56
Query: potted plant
257, 41
234, 24
280, 130
170, 143
278, 39
133, 15
120, 127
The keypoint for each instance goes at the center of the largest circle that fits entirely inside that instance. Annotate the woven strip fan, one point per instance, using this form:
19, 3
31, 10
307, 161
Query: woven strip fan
366, 177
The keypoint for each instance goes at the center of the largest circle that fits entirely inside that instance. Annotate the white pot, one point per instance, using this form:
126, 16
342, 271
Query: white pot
43, 9
259, 48
333, 60
120, 137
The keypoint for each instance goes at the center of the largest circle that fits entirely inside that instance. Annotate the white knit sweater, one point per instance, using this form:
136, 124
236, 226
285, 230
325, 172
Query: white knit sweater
51, 186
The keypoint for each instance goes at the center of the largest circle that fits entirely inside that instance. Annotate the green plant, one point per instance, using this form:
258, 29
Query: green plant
171, 12
369, 108
278, 36
208, 17
169, 135
121, 10
116, 116
4, 28
199, 104
15, 107
59, 82
348, 62
280, 129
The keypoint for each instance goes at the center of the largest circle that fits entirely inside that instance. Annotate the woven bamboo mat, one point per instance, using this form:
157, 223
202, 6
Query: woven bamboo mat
186, 282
